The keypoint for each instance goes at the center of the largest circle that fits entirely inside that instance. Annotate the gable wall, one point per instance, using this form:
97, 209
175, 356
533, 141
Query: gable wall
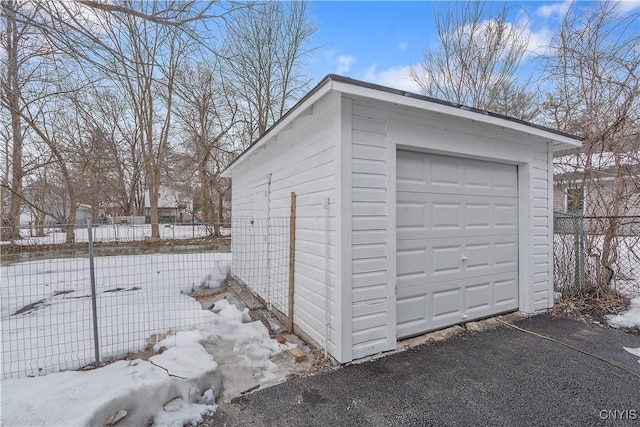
300, 159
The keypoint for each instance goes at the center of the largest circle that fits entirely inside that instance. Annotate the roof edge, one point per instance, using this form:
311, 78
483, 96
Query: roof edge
567, 143
326, 79
406, 94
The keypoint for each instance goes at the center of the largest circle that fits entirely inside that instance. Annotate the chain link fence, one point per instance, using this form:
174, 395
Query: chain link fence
596, 254
55, 317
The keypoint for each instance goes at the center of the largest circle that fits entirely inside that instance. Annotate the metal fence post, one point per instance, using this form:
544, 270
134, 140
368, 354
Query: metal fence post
92, 275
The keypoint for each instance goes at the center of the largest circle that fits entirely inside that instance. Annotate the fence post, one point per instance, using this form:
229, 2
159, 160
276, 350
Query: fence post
92, 275
582, 252
292, 258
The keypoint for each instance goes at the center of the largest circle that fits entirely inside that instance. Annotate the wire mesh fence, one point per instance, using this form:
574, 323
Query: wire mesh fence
568, 253
260, 248
142, 289
123, 231
600, 254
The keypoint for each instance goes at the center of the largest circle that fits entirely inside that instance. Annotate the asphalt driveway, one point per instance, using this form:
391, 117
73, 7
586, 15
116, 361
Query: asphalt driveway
499, 377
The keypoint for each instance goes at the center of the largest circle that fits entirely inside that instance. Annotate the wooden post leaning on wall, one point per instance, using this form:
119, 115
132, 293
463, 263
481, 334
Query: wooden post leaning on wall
292, 259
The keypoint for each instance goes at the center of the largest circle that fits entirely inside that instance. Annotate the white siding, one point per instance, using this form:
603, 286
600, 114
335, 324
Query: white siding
370, 237
300, 159
379, 129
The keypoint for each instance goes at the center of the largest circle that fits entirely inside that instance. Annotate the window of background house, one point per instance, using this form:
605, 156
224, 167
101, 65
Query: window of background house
575, 199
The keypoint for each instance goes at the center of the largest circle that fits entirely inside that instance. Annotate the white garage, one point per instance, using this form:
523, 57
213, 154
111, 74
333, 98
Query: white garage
413, 214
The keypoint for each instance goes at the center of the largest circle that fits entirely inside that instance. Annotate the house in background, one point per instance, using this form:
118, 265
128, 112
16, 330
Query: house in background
572, 195
174, 206
413, 214
594, 197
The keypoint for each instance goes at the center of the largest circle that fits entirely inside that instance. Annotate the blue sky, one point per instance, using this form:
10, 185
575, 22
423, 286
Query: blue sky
378, 41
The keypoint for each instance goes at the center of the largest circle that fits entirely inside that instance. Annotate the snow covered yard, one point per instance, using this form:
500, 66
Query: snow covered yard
118, 232
47, 313
173, 388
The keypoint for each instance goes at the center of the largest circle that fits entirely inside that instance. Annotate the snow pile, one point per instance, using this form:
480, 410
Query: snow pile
244, 352
48, 301
173, 388
628, 319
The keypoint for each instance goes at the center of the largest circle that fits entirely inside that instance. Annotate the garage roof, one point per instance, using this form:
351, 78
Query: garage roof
346, 85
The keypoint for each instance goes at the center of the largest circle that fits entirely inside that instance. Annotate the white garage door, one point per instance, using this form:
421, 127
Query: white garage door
457, 241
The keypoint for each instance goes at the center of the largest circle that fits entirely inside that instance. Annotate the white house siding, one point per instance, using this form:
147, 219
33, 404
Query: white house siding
303, 159
372, 302
379, 129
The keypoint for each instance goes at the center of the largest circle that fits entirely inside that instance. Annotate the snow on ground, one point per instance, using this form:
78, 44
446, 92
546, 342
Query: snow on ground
144, 388
47, 316
634, 351
118, 232
629, 318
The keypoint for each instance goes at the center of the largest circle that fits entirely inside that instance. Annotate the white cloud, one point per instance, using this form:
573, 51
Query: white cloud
550, 10
626, 6
539, 41
344, 63
396, 77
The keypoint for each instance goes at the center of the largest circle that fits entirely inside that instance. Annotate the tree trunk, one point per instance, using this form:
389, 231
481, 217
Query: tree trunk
154, 189
11, 224
40, 225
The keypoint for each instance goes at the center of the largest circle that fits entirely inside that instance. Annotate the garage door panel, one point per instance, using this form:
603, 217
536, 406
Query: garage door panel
479, 297
413, 309
506, 292
448, 303
412, 261
425, 215
454, 258
457, 241
418, 172
446, 174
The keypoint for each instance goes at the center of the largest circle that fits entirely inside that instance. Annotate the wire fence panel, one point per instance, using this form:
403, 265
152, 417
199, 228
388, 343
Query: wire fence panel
596, 253
260, 249
568, 253
142, 289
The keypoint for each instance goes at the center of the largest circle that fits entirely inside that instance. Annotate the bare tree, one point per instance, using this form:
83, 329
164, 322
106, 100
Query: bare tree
594, 68
477, 60
207, 113
39, 82
143, 58
18, 64
266, 46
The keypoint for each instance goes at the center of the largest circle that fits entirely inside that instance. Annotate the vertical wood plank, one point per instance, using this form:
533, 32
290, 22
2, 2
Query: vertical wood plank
292, 258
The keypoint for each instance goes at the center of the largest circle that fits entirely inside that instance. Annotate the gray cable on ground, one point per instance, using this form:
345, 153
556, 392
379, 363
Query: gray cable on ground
635, 374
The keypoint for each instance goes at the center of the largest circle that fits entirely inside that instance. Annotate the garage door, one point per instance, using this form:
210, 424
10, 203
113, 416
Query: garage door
457, 241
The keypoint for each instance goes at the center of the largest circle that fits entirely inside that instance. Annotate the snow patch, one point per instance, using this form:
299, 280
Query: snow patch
141, 388
174, 388
137, 296
627, 319
634, 351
